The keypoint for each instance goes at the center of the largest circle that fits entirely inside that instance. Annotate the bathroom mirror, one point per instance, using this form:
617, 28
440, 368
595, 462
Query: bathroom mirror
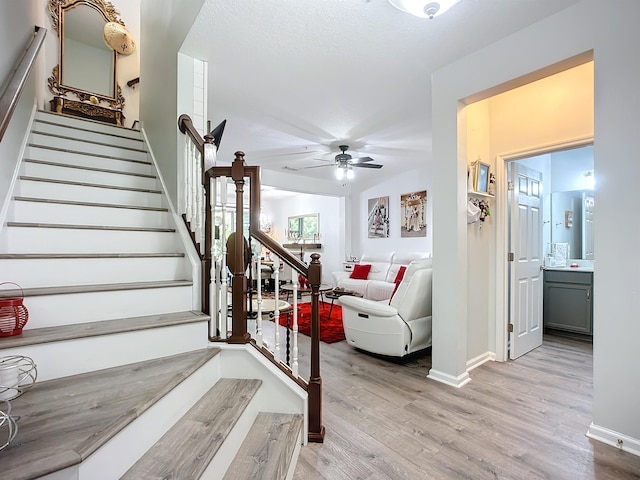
84, 81
304, 227
572, 221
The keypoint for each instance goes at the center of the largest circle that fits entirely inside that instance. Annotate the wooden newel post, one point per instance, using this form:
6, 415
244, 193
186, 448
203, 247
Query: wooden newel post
239, 332
316, 429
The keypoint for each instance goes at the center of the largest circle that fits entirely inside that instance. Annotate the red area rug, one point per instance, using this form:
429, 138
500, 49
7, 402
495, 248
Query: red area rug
331, 329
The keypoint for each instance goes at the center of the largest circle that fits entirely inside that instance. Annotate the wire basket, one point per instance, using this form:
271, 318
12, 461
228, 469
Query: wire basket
8, 426
17, 375
13, 314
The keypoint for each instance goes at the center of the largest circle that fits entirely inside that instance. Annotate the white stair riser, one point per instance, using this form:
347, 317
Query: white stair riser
94, 353
62, 240
30, 169
138, 437
80, 123
66, 131
80, 193
41, 212
81, 159
57, 272
53, 310
113, 150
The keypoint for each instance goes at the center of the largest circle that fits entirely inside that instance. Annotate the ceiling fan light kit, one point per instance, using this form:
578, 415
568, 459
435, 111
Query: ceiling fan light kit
424, 8
344, 164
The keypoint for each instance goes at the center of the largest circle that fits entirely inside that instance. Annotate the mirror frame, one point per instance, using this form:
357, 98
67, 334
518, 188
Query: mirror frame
57, 9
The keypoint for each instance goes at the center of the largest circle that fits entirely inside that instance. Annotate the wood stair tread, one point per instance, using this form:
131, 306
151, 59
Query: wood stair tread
186, 450
89, 154
86, 184
268, 448
88, 227
102, 287
49, 256
61, 333
88, 169
63, 421
115, 135
89, 204
92, 142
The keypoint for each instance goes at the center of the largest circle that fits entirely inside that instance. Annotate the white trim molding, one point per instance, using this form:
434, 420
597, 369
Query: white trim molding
615, 439
480, 359
447, 379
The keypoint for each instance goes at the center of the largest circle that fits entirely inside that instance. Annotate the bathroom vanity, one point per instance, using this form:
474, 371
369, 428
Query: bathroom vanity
568, 299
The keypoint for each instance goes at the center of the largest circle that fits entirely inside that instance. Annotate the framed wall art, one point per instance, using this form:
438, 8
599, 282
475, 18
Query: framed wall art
378, 217
413, 214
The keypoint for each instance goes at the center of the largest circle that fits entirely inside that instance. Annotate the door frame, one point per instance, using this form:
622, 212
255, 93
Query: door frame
502, 233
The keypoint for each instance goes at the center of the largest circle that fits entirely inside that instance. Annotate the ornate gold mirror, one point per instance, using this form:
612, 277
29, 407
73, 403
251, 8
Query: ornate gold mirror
84, 81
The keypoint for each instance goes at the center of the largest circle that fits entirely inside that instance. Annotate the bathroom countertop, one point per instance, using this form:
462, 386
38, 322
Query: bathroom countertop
582, 266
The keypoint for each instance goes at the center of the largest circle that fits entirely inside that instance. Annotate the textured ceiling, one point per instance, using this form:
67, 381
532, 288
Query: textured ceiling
297, 78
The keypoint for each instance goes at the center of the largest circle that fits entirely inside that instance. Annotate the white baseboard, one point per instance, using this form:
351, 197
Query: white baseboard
615, 439
447, 379
480, 359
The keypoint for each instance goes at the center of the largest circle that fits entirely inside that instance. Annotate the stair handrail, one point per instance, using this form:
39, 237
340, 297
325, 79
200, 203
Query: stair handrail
238, 171
15, 85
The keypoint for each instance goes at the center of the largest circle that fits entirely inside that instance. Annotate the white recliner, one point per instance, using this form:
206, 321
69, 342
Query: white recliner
398, 328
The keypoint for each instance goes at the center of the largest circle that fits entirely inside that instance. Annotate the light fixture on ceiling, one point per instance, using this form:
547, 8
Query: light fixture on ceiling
424, 8
343, 170
349, 172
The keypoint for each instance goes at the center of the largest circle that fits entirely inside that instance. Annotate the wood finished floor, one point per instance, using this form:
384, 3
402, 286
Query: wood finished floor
523, 419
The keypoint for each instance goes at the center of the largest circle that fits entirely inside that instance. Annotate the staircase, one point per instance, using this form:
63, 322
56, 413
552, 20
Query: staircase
125, 369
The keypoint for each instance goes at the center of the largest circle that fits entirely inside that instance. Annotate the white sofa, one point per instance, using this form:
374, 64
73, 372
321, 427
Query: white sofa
395, 328
380, 283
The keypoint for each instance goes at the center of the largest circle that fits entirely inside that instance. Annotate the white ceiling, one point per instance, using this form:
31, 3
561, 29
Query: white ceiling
297, 78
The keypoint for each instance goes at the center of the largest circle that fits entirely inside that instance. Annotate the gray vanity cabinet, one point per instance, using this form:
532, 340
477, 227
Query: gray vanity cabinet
568, 301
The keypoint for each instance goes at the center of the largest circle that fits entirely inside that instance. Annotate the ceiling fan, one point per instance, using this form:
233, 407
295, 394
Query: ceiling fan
344, 163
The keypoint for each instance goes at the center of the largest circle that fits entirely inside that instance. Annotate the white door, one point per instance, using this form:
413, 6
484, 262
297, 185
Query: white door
587, 226
526, 274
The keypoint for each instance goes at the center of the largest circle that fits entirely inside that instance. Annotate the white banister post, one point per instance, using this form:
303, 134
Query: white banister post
276, 318
199, 207
224, 297
187, 173
294, 363
259, 285
213, 288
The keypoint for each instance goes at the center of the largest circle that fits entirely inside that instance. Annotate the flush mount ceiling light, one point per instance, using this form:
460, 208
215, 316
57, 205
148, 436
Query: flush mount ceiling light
424, 8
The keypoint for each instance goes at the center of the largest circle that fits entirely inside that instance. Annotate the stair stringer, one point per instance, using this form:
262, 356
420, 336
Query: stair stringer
181, 229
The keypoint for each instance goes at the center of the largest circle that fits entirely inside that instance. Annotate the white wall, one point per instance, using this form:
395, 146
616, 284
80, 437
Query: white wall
163, 29
580, 28
331, 229
568, 168
17, 22
392, 187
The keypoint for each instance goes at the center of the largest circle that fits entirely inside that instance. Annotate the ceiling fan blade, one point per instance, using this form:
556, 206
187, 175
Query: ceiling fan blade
361, 160
287, 167
367, 165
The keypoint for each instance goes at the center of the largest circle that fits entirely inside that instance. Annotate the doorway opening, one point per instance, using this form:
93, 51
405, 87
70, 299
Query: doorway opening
550, 218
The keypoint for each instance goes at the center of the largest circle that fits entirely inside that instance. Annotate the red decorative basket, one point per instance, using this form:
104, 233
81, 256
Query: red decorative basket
13, 314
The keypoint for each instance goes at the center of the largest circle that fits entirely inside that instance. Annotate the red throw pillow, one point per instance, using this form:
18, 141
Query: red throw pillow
360, 272
399, 277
